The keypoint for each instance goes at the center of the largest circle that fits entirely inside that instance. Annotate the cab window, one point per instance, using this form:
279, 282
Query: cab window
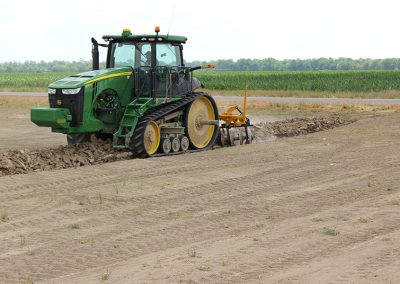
122, 54
143, 51
168, 55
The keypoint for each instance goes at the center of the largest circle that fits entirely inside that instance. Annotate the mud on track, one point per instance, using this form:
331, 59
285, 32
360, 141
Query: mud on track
25, 160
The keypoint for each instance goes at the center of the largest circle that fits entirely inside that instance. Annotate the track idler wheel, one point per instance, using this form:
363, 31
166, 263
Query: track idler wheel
199, 121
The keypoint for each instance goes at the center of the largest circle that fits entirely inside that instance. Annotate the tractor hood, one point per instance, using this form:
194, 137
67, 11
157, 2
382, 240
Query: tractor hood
87, 78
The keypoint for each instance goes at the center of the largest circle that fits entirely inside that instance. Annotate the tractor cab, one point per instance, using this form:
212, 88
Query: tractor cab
156, 62
144, 51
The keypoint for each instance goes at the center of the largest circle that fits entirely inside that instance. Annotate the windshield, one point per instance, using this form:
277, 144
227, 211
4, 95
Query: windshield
138, 54
122, 55
129, 54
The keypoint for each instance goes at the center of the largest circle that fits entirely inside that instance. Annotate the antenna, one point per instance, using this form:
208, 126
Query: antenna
170, 20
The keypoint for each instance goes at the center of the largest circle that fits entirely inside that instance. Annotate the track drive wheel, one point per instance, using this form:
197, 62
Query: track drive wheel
200, 110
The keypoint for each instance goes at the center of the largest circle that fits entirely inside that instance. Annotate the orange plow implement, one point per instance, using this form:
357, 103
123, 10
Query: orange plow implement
235, 129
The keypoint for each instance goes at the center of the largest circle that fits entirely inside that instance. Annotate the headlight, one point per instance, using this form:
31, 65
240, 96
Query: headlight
51, 91
71, 91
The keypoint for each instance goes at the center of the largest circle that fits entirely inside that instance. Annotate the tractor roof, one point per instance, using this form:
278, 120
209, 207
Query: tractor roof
146, 38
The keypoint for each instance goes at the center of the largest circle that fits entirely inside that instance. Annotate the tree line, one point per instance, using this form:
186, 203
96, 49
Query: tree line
315, 64
43, 66
244, 64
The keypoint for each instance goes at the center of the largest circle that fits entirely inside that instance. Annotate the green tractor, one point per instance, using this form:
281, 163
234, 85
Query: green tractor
145, 100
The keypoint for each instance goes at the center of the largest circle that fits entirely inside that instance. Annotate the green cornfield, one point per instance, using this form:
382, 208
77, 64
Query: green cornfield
325, 81
322, 81
28, 81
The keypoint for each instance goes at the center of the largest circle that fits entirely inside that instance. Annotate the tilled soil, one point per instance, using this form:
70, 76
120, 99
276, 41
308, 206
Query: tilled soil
301, 125
62, 157
317, 208
265, 131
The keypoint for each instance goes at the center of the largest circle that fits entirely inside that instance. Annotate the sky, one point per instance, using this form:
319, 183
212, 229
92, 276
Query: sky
216, 29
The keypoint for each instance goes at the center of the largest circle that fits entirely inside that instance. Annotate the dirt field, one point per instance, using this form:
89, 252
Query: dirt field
317, 208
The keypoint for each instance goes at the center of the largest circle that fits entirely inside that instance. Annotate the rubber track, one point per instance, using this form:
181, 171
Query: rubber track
137, 145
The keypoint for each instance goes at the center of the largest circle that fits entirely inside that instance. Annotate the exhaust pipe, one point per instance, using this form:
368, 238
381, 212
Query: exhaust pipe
95, 54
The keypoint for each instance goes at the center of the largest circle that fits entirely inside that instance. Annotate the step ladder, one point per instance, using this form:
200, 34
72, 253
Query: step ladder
133, 112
